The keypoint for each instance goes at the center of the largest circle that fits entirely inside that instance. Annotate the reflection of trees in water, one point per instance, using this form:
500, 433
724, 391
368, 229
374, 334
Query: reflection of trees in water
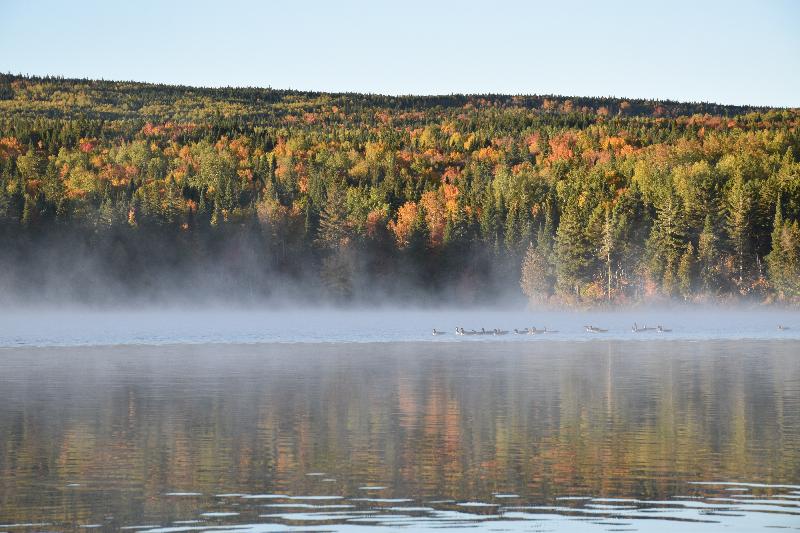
632, 419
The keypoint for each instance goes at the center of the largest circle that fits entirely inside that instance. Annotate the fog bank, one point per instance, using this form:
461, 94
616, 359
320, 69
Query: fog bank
178, 325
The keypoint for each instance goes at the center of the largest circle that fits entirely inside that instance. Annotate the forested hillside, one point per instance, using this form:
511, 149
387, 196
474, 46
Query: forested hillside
147, 192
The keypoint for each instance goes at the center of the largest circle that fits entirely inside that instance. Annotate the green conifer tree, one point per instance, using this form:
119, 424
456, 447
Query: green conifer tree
685, 273
708, 258
738, 225
573, 251
776, 259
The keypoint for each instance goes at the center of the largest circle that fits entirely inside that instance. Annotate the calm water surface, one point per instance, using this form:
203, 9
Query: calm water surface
607, 435
85, 327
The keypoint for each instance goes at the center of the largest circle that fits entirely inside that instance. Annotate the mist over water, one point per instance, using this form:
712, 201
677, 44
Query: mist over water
84, 326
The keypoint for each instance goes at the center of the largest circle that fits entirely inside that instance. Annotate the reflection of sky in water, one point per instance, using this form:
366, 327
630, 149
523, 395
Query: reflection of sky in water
558, 436
48, 328
703, 512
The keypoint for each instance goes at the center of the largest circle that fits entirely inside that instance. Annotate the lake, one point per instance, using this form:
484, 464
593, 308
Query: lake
605, 434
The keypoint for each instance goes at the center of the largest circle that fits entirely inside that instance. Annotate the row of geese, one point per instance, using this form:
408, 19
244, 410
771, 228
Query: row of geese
525, 331
589, 329
534, 331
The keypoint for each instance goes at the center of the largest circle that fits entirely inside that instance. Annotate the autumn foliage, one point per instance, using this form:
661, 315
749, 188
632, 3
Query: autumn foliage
585, 200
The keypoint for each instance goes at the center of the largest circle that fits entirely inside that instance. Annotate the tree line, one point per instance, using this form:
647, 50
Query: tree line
153, 189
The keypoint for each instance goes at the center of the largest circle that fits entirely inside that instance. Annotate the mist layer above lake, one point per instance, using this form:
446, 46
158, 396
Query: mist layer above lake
662, 435
72, 327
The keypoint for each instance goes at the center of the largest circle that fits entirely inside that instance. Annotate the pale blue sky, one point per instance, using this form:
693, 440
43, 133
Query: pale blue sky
738, 52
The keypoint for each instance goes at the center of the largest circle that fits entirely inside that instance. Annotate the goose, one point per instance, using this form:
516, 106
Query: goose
500, 332
521, 331
595, 329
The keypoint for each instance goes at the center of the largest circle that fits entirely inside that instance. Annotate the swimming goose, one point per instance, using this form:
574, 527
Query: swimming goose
521, 331
595, 329
500, 332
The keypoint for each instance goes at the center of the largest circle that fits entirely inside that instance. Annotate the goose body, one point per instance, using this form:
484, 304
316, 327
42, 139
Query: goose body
595, 329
